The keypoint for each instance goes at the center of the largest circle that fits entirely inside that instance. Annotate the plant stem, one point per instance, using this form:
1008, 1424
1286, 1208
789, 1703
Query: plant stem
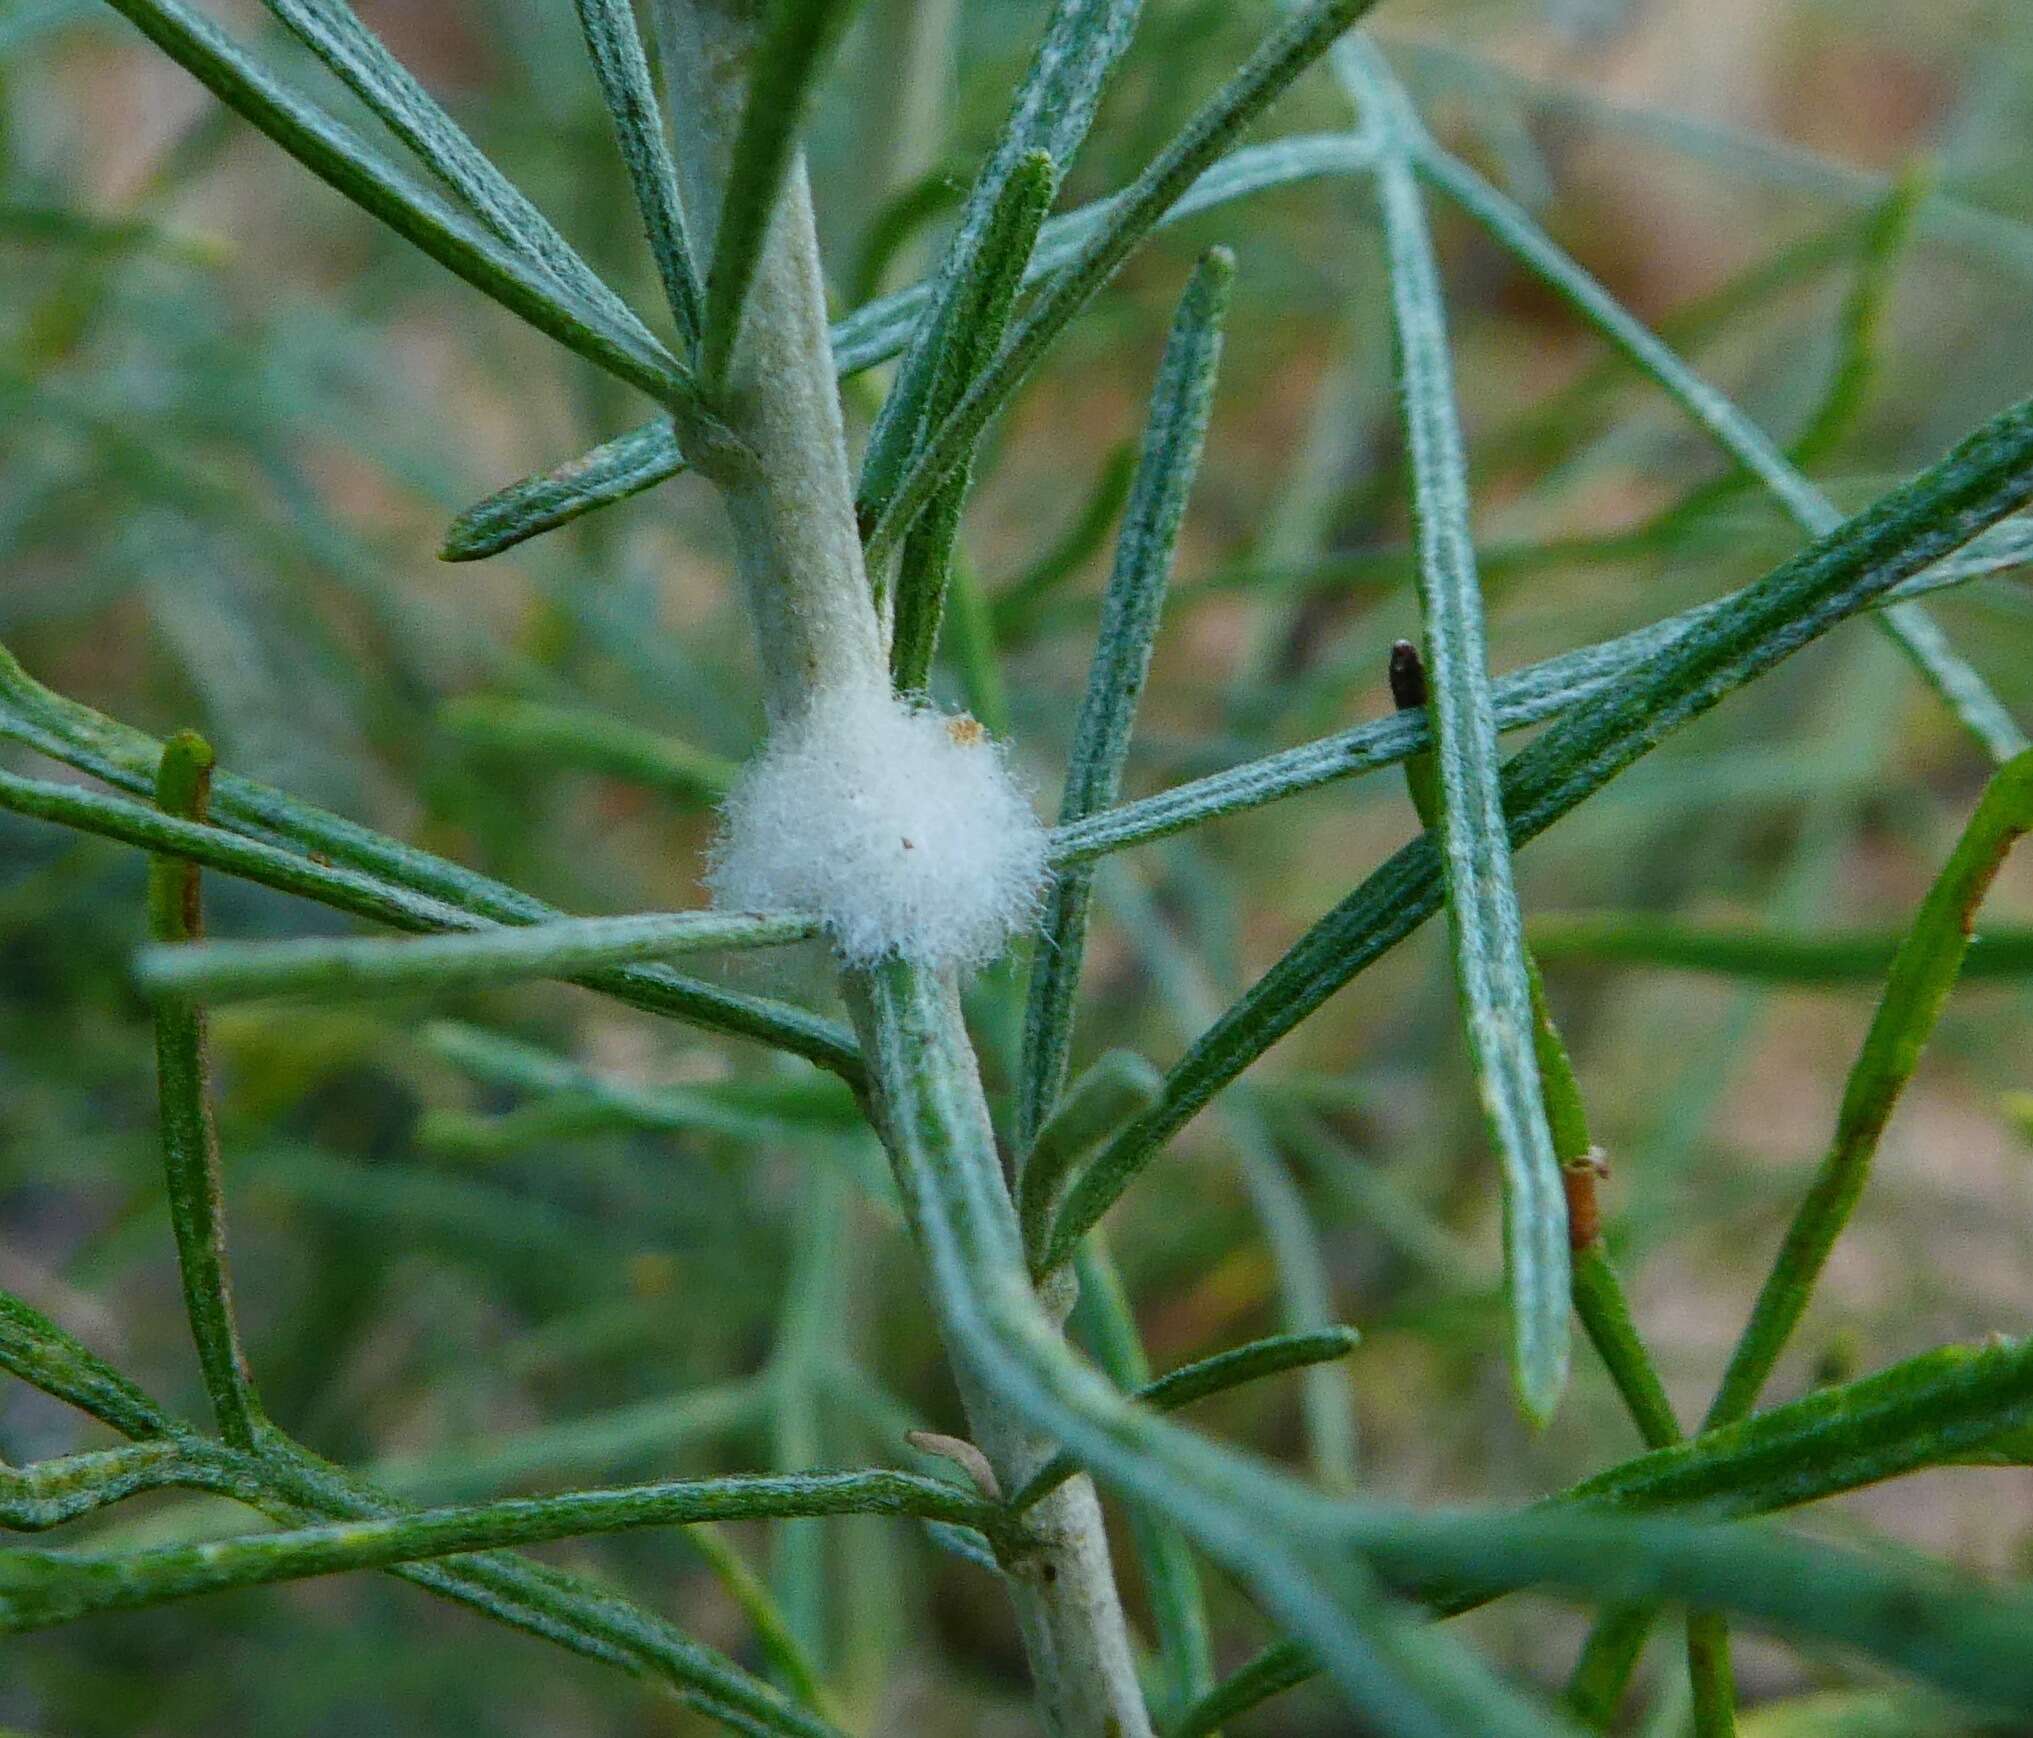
799, 553
796, 545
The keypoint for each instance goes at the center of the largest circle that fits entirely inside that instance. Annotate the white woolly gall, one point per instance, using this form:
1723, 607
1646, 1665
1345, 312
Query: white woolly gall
898, 825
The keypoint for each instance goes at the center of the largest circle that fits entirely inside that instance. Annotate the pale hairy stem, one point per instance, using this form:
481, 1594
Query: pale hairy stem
796, 543
799, 552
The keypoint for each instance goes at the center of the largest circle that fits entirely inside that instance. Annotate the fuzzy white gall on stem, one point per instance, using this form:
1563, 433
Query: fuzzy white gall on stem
899, 825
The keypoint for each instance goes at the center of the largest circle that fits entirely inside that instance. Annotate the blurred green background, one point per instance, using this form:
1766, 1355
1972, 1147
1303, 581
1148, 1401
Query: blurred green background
237, 418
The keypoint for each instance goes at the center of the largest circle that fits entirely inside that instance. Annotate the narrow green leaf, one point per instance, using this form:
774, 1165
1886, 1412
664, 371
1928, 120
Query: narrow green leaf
39, 1589
594, 741
624, 466
337, 156
1287, 51
897, 225
1473, 842
1760, 955
300, 848
51, 1493
785, 1653
783, 73
351, 890
1860, 327
1018, 604
1598, 1294
1053, 108
801, 1107
41, 1354
566, 947
1609, 1655
1933, 1410
1980, 234
1175, 434
1916, 990
1254, 1362
1527, 696
1915, 632
623, 71
647, 455
332, 30
1985, 477
190, 1140
1117, 1088
978, 315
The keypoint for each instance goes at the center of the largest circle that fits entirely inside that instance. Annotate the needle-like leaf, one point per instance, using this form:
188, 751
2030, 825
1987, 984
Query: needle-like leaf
516, 278
979, 312
797, 40
41, 1588
1175, 434
190, 1141
1053, 108
1987, 476
1527, 696
623, 71
1283, 55
1209, 1376
646, 456
1756, 954
224, 971
332, 30
1473, 842
1912, 628
1923, 972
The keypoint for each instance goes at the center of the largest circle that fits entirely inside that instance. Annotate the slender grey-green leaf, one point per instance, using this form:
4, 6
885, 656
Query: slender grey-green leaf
646, 456
1254, 1362
1915, 632
1175, 434
1284, 54
624, 466
978, 316
42, 1588
1754, 953
336, 155
798, 39
1120, 1086
1917, 987
1987, 476
332, 30
1527, 696
190, 1138
269, 836
365, 895
226, 971
534, 733
49, 1493
1474, 847
1051, 112
623, 71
